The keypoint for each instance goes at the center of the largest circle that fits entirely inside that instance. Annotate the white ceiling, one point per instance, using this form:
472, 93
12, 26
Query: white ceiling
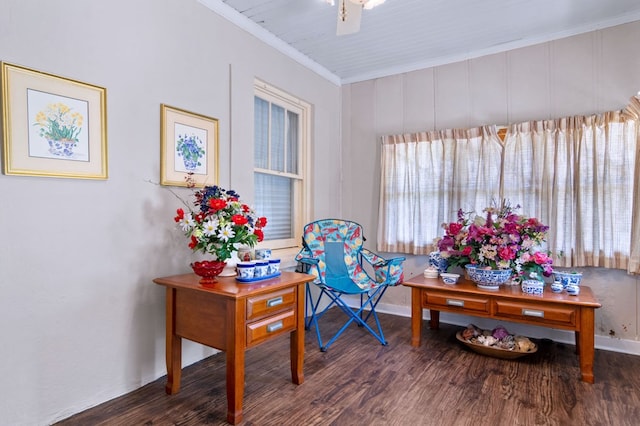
405, 35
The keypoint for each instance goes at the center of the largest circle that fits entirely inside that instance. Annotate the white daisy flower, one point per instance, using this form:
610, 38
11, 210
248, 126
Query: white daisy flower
209, 227
226, 233
187, 222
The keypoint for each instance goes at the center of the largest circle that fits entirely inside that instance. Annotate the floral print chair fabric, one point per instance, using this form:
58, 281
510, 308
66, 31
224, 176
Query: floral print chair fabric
334, 253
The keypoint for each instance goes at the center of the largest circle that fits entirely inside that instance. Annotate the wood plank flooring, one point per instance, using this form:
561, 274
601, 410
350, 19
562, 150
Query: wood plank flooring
360, 382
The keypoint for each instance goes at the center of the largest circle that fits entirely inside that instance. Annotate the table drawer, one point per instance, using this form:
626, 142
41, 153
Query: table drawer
537, 313
259, 331
456, 303
265, 304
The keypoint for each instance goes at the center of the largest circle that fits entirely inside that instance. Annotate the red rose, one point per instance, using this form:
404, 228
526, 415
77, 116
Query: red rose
540, 258
239, 220
467, 250
259, 233
506, 253
261, 222
217, 204
454, 228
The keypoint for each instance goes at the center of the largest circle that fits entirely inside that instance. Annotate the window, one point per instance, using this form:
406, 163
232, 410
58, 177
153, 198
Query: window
281, 139
577, 175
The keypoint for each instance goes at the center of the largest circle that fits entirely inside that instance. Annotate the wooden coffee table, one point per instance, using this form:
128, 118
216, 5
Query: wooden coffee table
553, 310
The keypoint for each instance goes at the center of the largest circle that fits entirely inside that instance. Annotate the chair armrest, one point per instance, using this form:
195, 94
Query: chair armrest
307, 260
305, 256
387, 271
372, 258
396, 260
377, 260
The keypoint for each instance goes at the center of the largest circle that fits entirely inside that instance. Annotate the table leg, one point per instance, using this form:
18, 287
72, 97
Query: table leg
173, 354
434, 319
416, 316
235, 385
235, 361
297, 340
585, 342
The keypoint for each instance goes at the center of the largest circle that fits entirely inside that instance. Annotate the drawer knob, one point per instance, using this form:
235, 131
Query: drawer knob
274, 326
455, 302
533, 313
274, 302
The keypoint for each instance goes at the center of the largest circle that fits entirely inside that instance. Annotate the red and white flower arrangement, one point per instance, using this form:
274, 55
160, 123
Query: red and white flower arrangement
221, 223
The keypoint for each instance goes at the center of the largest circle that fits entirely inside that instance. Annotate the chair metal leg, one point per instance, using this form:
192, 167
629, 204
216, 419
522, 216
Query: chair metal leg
315, 315
309, 305
353, 315
372, 301
375, 303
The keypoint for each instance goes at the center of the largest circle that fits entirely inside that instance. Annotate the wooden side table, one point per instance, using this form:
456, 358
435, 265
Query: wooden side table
554, 310
233, 317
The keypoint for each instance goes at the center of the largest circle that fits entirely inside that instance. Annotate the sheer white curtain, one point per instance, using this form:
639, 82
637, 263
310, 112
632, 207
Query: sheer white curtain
576, 175
605, 192
539, 171
427, 177
579, 175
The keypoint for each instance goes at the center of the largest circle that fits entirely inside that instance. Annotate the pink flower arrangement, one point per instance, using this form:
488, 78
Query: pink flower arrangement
501, 239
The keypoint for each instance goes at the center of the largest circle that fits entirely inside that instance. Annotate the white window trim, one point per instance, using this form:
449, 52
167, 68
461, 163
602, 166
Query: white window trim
287, 249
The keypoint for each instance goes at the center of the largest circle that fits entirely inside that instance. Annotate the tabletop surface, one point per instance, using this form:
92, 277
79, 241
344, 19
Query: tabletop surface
230, 287
585, 298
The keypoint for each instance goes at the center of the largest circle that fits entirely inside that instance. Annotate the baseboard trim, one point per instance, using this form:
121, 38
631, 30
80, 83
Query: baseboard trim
606, 343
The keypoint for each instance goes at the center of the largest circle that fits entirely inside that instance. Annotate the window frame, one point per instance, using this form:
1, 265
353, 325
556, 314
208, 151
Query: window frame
287, 248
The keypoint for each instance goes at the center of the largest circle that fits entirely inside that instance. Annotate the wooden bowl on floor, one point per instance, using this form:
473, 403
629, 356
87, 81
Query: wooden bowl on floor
494, 351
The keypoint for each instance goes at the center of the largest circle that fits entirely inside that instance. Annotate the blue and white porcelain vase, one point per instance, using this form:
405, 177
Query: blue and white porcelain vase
437, 261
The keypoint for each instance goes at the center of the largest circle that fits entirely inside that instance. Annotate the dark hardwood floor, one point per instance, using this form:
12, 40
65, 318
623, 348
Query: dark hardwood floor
360, 382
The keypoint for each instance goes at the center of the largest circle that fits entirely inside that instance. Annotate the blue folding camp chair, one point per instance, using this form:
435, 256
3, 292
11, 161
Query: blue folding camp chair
334, 253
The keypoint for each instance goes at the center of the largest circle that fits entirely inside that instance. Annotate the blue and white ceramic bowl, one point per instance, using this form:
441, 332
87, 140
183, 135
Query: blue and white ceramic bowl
557, 287
573, 289
468, 269
274, 266
449, 278
246, 270
262, 268
567, 278
490, 279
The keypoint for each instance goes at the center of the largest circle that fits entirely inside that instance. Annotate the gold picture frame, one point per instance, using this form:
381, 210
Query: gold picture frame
188, 148
52, 126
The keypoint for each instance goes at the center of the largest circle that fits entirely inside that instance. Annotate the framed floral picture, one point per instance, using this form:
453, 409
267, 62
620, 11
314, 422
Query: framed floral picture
52, 126
188, 148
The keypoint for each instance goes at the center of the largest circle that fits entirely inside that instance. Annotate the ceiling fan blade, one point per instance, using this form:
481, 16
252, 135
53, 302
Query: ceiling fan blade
349, 15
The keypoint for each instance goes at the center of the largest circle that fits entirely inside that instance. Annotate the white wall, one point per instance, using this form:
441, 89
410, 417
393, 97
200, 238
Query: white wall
586, 74
82, 321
